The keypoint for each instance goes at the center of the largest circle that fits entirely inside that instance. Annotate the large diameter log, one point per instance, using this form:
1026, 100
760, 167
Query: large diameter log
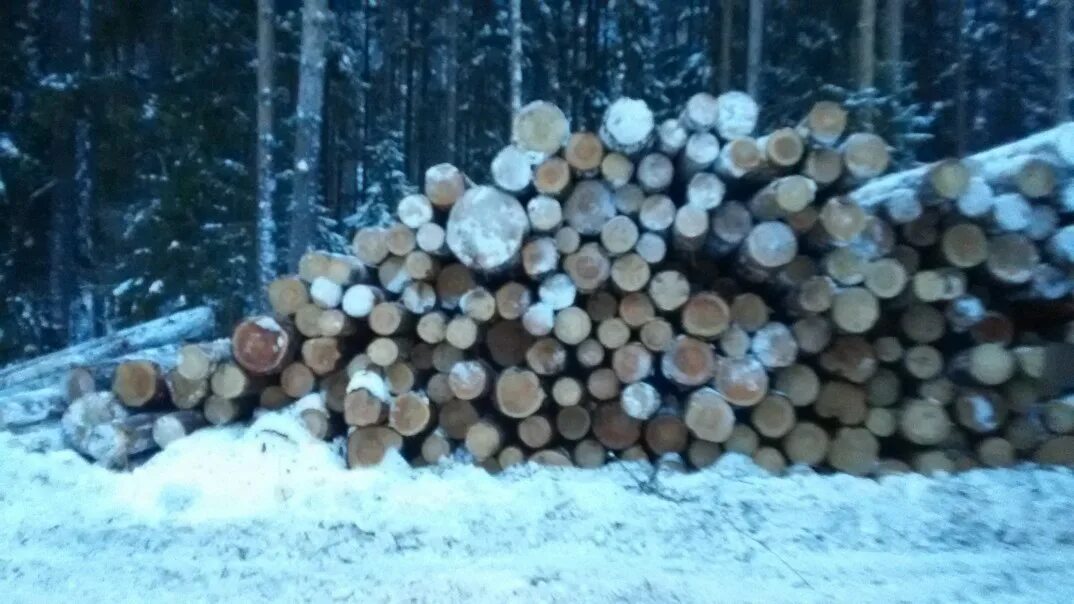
262, 345
193, 324
485, 229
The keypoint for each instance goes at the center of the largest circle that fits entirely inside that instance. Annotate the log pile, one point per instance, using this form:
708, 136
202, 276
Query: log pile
669, 291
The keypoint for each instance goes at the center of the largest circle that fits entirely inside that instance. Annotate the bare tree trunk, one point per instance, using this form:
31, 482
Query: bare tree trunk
960, 81
893, 20
727, 18
1062, 61
266, 142
310, 104
867, 56
516, 56
754, 49
83, 319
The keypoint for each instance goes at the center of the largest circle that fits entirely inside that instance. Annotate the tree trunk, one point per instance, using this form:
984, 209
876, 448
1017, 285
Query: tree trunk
893, 19
308, 112
727, 16
867, 57
1062, 61
754, 49
960, 80
266, 142
516, 56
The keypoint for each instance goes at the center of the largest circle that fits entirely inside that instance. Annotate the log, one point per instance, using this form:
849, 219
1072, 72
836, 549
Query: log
273, 397
572, 325
603, 384
513, 298
854, 451
220, 410
262, 345
540, 127
627, 126
545, 214
185, 393
411, 414
370, 245
540, 257
924, 423
171, 427
736, 115
32, 407
589, 453
770, 459
657, 213
806, 444
535, 431
743, 382
512, 170
368, 446
739, 158
656, 334
632, 363
193, 324
616, 169
671, 137
462, 332
567, 391
614, 428
588, 268
484, 439
431, 238
519, 393
689, 362
774, 346
584, 153
139, 384
507, 343
436, 447
485, 229
546, 356
573, 423
231, 381
287, 294
470, 380
654, 173
666, 433
823, 166
444, 185
855, 310
702, 454
770, 245
325, 293
362, 407
700, 113
619, 235
708, 416
825, 123
865, 156
705, 191
414, 210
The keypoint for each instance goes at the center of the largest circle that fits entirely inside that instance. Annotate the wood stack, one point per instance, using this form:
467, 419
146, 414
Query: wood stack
671, 291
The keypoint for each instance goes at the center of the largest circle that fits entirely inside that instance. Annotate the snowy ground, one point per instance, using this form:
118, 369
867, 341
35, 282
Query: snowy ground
231, 515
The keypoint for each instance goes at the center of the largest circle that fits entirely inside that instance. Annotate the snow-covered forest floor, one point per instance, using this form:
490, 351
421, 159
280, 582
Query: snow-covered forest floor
267, 514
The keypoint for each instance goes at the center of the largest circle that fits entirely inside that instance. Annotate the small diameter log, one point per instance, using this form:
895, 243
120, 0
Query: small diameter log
923, 362
700, 113
556, 458
512, 170
512, 300
770, 245
484, 439
884, 388
666, 433
1036, 178
636, 309
589, 453
139, 384
335, 322
1012, 258
616, 169
855, 310
584, 153
738, 158
782, 149
567, 391
1058, 451
881, 422
671, 137
627, 126
735, 342
632, 363
799, 383
806, 444
573, 423
988, 364
367, 447
445, 356
731, 224
656, 335
185, 393
705, 315
995, 452
705, 191
297, 380
865, 156
690, 228
400, 240
322, 355
262, 345
198, 361
708, 416
470, 380
519, 393
444, 185
572, 325
823, 166
922, 324
411, 414
462, 332
854, 451
539, 319
456, 418
842, 401
689, 362
540, 127
362, 407
287, 294
700, 153
773, 417
1059, 415
603, 384
231, 381
535, 431
770, 459
630, 273
545, 214
657, 213
742, 382
702, 454
436, 448
640, 400
774, 346
654, 173
414, 210
540, 257
938, 285
220, 410
588, 268
485, 229
924, 423
619, 235
612, 333
842, 220
813, 334
736, 115
886, 278
589, 207
507, 343
547, 356
370, 245
171, 427
669, 290
273, 397
325, 293
825, 123
614, 428
510, 456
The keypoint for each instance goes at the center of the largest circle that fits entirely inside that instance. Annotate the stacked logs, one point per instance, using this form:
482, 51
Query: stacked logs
671, 291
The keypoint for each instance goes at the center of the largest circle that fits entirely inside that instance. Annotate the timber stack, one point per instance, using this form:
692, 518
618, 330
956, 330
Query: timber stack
668, 291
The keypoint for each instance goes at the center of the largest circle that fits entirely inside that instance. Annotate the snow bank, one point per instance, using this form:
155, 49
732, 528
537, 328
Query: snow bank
231, 514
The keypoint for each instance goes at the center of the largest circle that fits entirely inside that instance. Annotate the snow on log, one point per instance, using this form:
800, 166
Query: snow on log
192, 324
627, 126
262, 345
31, 407
485, 229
